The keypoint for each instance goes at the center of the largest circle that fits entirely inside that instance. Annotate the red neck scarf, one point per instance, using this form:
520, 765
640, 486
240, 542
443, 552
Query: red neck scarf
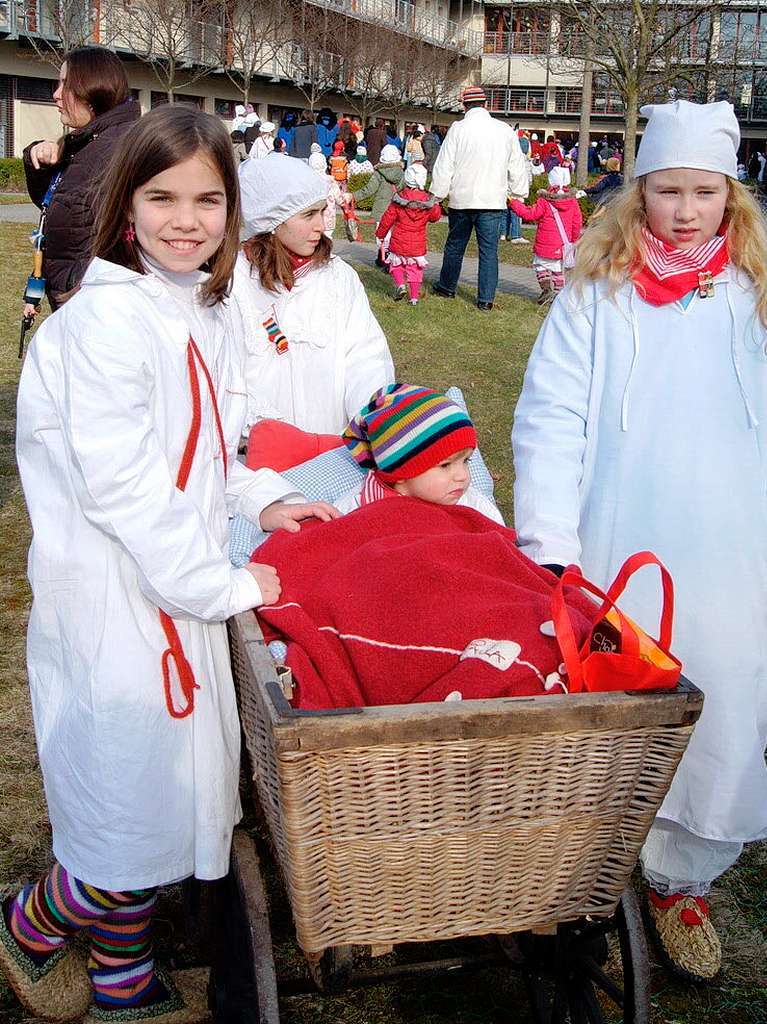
299, 263
669, 274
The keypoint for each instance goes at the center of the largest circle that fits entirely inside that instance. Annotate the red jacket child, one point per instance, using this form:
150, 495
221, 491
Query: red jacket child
548, 241
407, 215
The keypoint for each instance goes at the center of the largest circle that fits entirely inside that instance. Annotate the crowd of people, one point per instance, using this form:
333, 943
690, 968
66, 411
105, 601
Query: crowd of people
640, 425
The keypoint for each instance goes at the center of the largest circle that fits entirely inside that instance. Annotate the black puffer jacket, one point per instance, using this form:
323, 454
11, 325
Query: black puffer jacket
71, 215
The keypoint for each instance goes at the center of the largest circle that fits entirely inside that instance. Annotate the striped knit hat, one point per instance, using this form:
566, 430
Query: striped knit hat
473, 94
404, 431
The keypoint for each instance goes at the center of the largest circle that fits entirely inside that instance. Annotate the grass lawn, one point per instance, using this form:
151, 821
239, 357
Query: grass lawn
8, 199
439, 344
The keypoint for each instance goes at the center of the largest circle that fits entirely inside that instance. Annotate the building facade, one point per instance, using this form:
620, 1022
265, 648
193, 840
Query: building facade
406, 60
533, 74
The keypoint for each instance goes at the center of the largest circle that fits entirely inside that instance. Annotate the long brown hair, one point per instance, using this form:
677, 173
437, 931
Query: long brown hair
161, 139
271, 258
96, 77
611, 246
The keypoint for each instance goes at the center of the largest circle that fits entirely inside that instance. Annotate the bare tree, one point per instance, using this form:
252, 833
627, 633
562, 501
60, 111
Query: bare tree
255, 33
400, 86
313, 53
640, 47
368, 52
180, 42
439, 77
53, 28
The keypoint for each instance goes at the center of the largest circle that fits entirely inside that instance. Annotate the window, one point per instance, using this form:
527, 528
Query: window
567, 101
37, 89
513, 100
225, 108
605, 98
158, 98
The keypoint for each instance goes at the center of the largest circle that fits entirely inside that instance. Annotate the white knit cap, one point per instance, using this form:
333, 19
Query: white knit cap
390, 155
274, 190
317, 162
415, 176
703, 136
266, 127
559, 178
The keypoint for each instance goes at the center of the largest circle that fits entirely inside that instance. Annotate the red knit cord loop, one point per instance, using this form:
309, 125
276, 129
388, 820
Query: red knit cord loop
174, 651
691, 918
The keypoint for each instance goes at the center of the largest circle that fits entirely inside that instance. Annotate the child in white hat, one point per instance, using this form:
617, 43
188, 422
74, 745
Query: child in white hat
643, 424
315, 350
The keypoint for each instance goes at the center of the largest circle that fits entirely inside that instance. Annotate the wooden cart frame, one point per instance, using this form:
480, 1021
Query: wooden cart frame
519, 818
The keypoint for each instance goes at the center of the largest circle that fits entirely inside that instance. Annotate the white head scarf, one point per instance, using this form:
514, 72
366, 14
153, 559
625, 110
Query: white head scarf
390, 155
559, 178
274, 190
415, 176
704, 136
317, 162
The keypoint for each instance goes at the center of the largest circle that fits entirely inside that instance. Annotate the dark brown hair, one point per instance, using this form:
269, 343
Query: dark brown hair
271, 258
161, 139
96, 77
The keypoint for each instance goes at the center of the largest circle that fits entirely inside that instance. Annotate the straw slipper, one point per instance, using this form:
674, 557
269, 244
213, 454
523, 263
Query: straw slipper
685, 938
187, 1002
57, 990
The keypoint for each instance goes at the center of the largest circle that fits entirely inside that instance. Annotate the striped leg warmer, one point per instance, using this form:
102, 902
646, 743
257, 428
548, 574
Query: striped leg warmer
44, 915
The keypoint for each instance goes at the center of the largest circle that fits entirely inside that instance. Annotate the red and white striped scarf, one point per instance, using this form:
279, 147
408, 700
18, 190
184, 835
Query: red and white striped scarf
374, 490
669, 274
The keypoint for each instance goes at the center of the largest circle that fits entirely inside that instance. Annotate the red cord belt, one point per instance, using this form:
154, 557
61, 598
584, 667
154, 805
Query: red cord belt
174, 653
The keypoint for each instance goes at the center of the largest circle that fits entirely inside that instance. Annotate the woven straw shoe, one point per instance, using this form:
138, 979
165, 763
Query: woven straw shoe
187, 1002
684, 936
56, 991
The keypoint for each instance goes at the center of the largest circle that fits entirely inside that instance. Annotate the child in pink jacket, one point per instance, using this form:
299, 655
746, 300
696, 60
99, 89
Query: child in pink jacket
547, 251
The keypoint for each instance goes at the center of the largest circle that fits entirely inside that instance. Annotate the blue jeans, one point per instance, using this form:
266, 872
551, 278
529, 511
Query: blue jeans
487, 224
513, 228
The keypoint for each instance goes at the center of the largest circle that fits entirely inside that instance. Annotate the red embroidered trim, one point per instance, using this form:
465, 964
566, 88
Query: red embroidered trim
688, 916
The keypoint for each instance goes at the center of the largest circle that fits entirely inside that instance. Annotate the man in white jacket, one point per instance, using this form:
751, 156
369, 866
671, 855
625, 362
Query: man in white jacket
479, 165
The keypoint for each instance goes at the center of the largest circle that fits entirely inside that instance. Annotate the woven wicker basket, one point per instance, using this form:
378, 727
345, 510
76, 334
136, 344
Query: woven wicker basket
431, 821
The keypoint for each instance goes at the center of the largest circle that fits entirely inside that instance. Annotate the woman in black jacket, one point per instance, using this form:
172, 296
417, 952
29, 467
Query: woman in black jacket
94, 101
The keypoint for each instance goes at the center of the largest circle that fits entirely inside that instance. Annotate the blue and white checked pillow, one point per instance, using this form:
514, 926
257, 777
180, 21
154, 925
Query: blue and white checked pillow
325, 478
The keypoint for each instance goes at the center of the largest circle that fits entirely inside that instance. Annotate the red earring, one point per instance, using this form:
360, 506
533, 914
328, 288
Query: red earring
129, 235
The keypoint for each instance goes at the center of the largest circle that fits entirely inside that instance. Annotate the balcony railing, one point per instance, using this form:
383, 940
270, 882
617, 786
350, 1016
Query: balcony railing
567, 101
512, 100
404, 16
519, 43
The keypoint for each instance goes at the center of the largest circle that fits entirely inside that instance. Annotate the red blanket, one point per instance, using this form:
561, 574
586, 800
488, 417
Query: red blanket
404, 601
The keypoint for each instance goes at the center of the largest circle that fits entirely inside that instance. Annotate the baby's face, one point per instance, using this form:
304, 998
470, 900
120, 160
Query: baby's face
444, 484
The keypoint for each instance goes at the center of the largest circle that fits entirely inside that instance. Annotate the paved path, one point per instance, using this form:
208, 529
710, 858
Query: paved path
20, 213
511, 279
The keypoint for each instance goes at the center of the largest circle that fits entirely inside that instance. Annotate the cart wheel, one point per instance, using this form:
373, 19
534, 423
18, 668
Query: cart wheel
331, 971
243, 988
577, 975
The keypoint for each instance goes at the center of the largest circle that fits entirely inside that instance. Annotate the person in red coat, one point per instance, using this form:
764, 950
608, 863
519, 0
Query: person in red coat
410, 210
558, 200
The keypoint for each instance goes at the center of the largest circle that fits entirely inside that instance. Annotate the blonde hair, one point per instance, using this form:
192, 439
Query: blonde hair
611, 246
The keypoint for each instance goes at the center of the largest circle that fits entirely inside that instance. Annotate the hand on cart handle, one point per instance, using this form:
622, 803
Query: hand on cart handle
282, 516
268, 581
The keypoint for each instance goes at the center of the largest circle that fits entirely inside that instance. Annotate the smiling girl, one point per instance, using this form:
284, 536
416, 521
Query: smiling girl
316, 351
643, 424
131, 404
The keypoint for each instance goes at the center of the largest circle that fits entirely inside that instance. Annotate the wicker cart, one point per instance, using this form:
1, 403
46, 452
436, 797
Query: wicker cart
520, 819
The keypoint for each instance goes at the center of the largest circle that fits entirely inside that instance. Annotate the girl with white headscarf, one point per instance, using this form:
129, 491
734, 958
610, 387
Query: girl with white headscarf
642, 424
316, 352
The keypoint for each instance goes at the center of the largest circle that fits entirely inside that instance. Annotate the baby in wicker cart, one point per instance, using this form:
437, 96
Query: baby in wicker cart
417, 443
